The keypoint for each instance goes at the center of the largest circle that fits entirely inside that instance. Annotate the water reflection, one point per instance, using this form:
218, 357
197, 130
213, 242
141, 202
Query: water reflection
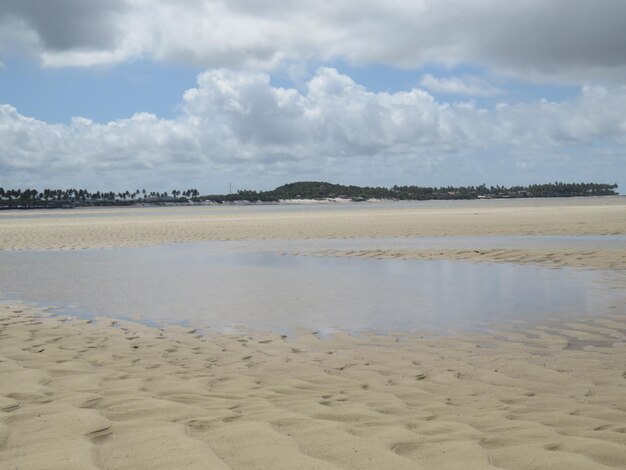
202, 285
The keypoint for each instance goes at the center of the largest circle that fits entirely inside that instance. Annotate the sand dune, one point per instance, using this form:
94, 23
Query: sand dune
79, 394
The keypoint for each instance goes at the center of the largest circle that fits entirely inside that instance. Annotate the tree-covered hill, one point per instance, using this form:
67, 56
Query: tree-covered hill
323, 190
33, 198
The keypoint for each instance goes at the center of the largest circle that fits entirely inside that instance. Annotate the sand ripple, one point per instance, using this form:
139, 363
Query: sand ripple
107, 228
78, 394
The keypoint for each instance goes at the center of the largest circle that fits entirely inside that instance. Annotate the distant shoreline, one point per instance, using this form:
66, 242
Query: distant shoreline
281, 202
303, 192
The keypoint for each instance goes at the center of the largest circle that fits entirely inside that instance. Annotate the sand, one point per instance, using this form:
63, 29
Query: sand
550, 257
81, 394
141, 226
113, 394
107, 228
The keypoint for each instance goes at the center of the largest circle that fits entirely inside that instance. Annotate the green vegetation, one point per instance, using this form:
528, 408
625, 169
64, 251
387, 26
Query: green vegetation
32, 198
322, 190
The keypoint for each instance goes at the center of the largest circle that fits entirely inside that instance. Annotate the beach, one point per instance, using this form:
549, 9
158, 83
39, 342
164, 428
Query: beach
135, 226
111, 393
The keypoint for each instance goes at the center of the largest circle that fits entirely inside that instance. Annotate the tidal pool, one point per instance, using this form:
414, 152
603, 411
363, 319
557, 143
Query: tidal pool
225, 285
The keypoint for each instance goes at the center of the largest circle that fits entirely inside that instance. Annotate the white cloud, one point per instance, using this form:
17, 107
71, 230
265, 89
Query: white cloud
238, 126
555, 40
467, 85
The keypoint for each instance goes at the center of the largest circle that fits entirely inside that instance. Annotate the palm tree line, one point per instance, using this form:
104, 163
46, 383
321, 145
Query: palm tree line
85, 196
29, 198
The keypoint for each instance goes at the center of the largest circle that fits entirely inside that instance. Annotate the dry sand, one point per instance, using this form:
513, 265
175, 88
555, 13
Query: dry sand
81, 228
137, 226
113, 394
78, 395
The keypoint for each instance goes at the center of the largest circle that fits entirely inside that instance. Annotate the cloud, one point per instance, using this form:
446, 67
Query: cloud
467, 85
67, 24
532, 39
64, 25
238, 126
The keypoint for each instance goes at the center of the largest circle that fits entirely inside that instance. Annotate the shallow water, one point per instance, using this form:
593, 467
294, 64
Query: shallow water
223, 285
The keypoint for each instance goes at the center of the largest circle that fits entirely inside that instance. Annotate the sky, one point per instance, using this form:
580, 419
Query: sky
252, 94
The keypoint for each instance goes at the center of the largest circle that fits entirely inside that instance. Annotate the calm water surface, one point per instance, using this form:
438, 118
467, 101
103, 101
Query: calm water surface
222, 285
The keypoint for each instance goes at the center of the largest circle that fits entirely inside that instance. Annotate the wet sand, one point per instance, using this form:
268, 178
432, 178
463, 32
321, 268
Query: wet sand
552, 257
114, 394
